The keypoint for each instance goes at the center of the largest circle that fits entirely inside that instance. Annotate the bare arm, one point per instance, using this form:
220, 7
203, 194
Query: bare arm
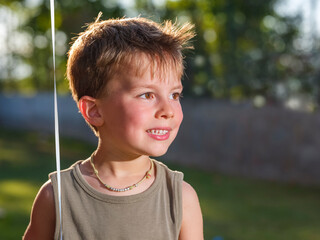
192, 223
42, 220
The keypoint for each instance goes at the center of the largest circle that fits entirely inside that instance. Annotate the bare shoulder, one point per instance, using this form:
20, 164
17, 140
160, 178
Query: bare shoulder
42, 219
192, 223
188, 193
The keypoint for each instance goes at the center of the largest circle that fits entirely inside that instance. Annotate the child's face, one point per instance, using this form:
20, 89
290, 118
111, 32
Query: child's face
142, 114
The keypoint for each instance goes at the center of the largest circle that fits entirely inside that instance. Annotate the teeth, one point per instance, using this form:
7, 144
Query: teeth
157, 132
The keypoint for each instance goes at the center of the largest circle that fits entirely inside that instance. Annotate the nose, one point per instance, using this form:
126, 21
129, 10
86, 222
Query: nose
165, 110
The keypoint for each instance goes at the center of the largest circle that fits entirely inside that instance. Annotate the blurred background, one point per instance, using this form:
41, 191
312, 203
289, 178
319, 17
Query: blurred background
250, 140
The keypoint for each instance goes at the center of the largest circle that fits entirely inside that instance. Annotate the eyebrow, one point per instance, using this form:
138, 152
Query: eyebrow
178, 87
152, 86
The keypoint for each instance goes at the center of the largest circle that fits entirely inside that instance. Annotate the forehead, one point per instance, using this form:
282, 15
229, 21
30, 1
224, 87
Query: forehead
140, 70
164, 68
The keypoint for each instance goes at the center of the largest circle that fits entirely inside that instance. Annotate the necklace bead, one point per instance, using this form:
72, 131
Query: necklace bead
146, 176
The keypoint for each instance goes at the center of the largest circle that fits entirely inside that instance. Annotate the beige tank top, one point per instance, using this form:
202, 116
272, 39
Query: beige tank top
88, 214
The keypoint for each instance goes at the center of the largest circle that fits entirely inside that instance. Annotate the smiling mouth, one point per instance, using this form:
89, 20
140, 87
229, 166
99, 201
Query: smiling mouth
158, 132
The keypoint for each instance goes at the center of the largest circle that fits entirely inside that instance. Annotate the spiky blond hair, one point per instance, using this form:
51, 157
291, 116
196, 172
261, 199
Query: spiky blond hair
106, 47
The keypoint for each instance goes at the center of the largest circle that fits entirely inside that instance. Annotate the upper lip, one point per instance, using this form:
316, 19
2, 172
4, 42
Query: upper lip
160, 128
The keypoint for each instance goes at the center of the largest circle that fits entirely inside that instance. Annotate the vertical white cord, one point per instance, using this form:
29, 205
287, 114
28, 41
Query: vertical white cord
56, 119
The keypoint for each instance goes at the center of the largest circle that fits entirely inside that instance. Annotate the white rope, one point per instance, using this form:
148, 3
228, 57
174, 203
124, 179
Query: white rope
56, 118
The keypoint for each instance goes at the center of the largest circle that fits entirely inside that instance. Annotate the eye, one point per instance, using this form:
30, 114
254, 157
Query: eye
148, 95
176, 96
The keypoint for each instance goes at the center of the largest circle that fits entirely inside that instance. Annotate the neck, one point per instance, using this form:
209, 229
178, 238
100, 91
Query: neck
119, 164
127, 188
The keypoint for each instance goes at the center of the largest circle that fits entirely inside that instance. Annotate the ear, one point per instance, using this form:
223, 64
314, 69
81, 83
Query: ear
89, 110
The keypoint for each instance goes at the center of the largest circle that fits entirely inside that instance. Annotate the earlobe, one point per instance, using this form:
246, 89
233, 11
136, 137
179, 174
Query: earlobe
89, 110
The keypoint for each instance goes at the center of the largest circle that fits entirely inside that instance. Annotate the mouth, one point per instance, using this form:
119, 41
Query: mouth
159, 133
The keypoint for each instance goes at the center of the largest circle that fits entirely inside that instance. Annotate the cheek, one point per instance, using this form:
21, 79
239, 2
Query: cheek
179, 115
135, 115
178, 120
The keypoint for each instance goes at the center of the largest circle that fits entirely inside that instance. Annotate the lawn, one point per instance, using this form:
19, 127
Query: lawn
234, 208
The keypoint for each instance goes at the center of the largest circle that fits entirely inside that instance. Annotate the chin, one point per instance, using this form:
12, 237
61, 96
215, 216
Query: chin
156, 149
157, 153
160, 153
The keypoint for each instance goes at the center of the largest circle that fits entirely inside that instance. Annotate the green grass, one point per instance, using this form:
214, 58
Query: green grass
233, 208
246, 209
26, 158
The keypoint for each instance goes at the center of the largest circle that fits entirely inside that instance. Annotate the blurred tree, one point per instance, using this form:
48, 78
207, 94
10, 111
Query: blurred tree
238, 47
70, 16
243, 49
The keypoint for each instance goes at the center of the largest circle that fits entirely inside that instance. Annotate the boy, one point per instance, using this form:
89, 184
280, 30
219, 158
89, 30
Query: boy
125, 75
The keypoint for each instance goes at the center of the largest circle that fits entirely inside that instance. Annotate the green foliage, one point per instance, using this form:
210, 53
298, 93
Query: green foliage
242, 49
70, 16
240, 53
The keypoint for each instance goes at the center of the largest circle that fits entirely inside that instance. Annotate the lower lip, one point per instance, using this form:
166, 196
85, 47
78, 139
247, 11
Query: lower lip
159, 137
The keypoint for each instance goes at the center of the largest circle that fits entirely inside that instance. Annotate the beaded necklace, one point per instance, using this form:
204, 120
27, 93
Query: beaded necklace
146, 176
